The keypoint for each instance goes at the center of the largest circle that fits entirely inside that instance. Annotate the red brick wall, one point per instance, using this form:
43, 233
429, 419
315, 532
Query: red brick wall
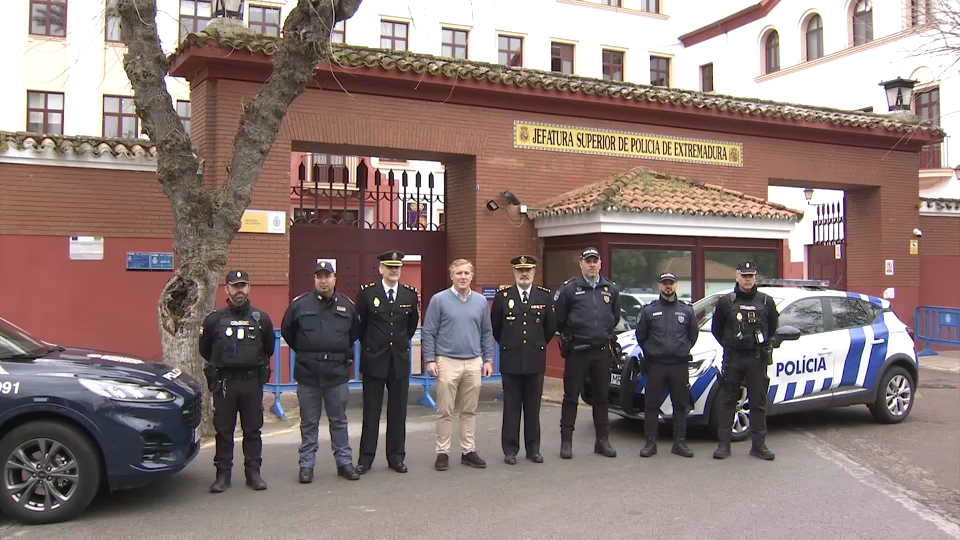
940, 261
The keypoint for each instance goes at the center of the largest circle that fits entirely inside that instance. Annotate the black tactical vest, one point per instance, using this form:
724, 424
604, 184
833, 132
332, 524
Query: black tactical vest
746, 324
238, 342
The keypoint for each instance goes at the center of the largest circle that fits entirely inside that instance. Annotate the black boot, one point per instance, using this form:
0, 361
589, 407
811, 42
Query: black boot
680, 448
759, 449
651, 447
603, 447
566, 445
221, 483
254, 480
722, 451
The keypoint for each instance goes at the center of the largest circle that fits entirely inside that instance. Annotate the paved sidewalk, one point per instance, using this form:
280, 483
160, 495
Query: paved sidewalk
943, 361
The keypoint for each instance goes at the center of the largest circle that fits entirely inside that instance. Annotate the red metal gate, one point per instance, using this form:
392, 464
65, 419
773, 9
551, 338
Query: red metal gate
353, 219
827, 257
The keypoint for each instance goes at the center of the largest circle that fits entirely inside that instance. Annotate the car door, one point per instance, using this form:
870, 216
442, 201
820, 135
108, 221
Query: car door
857, 345
802, 370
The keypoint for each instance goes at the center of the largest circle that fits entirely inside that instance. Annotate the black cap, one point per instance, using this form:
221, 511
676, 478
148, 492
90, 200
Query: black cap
324, 266
590, 252
747, 267
391, 258
668, 276
524, 261
237, 276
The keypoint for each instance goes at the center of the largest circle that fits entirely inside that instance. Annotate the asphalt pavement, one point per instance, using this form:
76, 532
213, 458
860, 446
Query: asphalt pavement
838, 474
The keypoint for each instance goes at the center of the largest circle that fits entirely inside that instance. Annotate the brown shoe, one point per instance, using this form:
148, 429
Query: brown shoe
443, 462
473, 459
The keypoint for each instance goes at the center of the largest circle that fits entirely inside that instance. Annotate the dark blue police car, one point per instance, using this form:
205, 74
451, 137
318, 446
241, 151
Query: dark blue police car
75, 420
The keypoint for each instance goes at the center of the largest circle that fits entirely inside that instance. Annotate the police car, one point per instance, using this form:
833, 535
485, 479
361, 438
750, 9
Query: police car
834, 348
73, 420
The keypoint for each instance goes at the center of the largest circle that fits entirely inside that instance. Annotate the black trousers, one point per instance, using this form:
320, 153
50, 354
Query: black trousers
739, 368
578, 364
521, 393
397, 388
243, 396
674, 375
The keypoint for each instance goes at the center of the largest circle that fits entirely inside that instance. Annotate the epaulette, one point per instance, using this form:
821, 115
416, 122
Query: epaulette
502, 287
371, 284
347, 298
543, 288
414, 289
301, 296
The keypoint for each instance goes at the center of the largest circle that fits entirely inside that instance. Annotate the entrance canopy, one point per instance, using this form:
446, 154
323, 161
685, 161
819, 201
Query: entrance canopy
642, 201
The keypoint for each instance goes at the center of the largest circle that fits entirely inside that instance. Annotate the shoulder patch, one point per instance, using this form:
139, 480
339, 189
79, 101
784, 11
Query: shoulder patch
544, 289
371, 284
412, 288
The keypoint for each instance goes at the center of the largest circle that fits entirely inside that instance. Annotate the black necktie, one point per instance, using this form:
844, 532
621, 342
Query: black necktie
390, 296
524, 297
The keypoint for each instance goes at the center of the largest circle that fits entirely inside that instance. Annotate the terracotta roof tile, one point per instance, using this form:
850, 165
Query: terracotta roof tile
78, 145
353, 56
644, 191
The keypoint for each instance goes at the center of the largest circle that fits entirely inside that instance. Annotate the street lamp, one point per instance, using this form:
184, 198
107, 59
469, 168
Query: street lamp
899, 93
232, 9
808, 194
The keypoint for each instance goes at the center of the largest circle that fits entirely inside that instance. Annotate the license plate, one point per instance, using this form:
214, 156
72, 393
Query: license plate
615, 379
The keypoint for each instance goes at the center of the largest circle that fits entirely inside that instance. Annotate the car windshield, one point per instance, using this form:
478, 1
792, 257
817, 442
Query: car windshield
16, 343
704, 307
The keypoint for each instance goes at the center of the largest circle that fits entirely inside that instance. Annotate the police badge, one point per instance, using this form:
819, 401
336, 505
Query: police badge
680, 318
376, 301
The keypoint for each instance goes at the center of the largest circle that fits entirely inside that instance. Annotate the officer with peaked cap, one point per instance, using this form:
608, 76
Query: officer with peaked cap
523, 324
389, 315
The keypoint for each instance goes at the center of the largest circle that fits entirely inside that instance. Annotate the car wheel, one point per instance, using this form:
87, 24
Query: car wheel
894, 396
51, 472
741, 418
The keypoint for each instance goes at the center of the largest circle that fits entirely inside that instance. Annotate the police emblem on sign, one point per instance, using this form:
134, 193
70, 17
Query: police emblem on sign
524, 133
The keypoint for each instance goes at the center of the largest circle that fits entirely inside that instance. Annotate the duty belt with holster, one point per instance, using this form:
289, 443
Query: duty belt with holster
327, 357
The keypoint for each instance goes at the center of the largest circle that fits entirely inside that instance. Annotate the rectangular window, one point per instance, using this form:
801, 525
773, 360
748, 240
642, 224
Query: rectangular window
659, 71
510, 51
194, 16
558, 266
637, 272
112, 23
454, 43
393, 35
612, 65
706, 77
120, 118
265, 20
650, 6
48, 18
45, 112
339, 33
720, 267
561, 58
183, 111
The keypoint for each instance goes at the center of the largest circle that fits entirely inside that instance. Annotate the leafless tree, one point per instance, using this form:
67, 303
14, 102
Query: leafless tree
939, 22
206, 220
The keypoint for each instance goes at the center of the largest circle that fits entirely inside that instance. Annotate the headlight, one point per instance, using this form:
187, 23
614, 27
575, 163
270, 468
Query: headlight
701, 363
122, 391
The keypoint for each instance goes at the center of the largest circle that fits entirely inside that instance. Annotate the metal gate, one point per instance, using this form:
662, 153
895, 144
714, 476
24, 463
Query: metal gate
827, 257
353, 217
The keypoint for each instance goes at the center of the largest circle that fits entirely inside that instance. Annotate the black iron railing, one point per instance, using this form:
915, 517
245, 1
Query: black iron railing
828, 228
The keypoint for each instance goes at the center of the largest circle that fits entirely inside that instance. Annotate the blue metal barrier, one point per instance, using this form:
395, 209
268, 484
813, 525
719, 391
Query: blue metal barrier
290, 385
936, 325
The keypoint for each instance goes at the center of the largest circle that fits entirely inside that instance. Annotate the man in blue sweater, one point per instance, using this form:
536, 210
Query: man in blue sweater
457, 344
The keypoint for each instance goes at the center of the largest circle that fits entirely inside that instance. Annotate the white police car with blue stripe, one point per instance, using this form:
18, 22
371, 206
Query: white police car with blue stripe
852, 349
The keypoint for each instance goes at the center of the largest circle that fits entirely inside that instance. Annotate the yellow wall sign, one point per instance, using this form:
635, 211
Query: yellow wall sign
263, 222
558, 138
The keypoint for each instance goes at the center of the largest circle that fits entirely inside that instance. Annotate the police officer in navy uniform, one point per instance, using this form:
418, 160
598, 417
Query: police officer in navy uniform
523, 324
666, 331
321, 327
237, 342
389, 315
587, 309
743, 322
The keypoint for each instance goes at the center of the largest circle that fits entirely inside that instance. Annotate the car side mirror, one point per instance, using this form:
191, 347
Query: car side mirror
785, 333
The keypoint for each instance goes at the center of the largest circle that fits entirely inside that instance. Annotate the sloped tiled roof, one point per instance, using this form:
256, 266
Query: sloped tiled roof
644, 191
352, 56
940, 204
78, 145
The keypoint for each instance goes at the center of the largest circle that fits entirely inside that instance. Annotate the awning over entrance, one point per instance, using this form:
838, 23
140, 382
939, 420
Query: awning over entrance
642, 201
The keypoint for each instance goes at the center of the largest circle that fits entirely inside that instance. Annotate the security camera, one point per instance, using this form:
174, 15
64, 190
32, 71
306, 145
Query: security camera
918, 233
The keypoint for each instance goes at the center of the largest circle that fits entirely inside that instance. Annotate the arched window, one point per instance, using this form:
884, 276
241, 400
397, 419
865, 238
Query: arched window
771, 49
814, 38
863, 22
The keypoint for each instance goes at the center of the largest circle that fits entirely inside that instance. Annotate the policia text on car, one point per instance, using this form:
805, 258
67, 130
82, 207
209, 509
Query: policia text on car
742, 323
237, 343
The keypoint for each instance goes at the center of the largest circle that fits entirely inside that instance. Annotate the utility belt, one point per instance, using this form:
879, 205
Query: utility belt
324, 357
586, 346
235, 374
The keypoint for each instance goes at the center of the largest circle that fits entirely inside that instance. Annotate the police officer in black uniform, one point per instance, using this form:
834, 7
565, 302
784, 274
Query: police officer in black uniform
587, 309
743, 322
666, 331
237, 342
321, 327
523, 324
389, 315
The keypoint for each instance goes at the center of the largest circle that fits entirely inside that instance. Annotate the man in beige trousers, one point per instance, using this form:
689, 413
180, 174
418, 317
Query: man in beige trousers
457, 342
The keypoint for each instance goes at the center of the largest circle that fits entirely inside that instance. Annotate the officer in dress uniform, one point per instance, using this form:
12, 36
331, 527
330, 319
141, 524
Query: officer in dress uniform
389, 315
523, 324
743, 322
587, 309
237, 342
666, 331
321, 327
